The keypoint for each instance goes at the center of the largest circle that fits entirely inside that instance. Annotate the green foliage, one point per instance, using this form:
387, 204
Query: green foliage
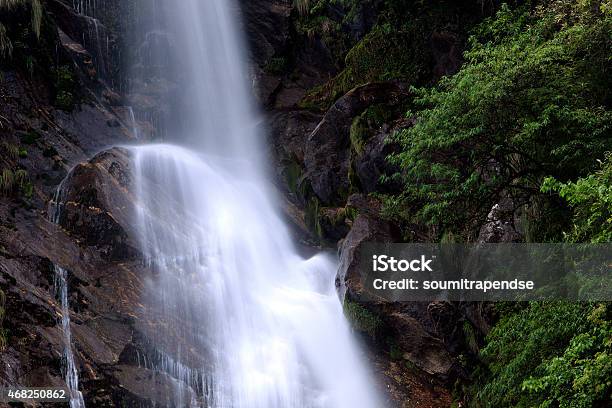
531, 101
36, 11
382, 55
312, 216
591, 200
12, 180
329, 21
398, 46
276, 65
7, 181
65, 85
362, 319
549, 354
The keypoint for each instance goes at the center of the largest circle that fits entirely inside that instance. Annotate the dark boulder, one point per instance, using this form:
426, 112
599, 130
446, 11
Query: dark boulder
96, 205
372, 162
366, 228
327, 150
425, 334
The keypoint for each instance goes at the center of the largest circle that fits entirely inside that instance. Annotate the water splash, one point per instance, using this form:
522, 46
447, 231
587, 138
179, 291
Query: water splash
268, 321
262, 323
61, 289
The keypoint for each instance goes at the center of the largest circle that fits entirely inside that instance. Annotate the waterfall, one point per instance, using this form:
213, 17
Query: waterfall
133, 123
61, 290
260, 326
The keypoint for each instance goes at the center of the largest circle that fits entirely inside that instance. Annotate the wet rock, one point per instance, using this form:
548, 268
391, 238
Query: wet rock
267, 27
425, 334
410, 339
422, 349
97, 207
502, 225
335, 222
368, 227
327, 151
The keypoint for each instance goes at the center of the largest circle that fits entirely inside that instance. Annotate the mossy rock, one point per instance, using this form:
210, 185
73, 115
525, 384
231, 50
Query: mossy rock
384, 54
362, 319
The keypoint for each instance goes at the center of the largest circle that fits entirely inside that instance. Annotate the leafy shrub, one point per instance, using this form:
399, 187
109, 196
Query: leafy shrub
65, 85
530, 102
549, 354
591, 200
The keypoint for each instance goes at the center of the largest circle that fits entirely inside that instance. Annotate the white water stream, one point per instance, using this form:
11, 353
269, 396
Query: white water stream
267, 323
69, 368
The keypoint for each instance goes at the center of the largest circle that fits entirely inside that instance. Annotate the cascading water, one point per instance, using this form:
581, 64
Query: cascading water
61, 289
266, 325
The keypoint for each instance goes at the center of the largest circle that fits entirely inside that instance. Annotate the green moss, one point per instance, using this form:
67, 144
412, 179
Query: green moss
362, 319
65, 84
385, 53
470, 337
360, 132
293, 174
312, 216
395, 352
276, 66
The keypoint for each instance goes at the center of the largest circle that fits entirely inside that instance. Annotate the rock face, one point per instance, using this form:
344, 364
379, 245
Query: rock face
372, 163
501, 225
95, 205
112, 324
423, 334
402, 332
327, 151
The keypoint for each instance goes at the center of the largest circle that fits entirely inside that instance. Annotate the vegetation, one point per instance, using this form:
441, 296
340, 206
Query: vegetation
28, 43
531, 101
591, 199
526, 117
6, 46
549, 354
397, 46
362, 319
